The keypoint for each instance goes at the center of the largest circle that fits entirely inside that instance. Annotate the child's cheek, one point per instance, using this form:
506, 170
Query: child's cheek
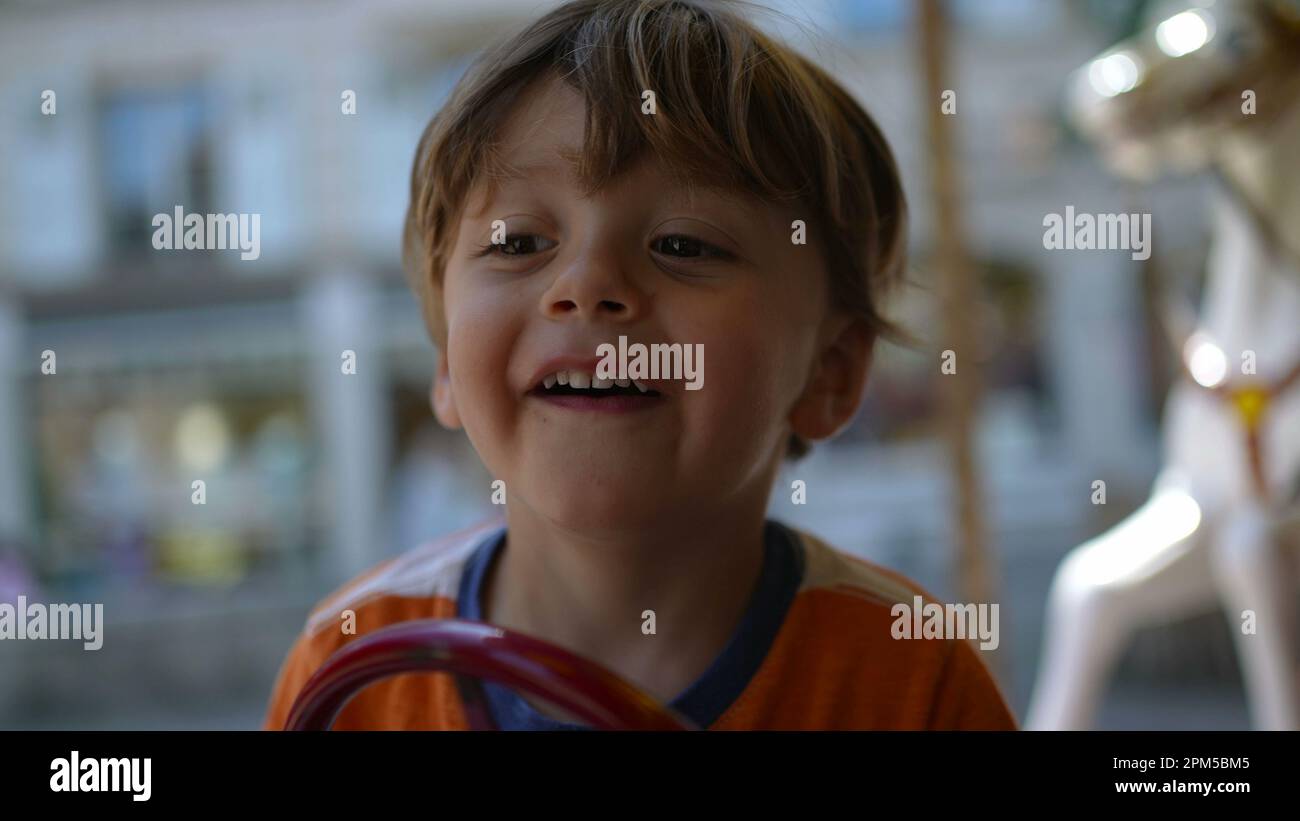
479, 348
741, 385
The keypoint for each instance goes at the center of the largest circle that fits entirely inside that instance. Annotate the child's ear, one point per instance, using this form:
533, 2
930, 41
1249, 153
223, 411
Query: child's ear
834, 392
441, 397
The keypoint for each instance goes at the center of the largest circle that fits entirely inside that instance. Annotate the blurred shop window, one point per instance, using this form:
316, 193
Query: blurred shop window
157, 154
119, 501
417, 78
882, 16
438, 484
412, 86
1008, 16
896, 16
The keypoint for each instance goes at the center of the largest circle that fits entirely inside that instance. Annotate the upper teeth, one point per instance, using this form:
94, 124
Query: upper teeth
582, 379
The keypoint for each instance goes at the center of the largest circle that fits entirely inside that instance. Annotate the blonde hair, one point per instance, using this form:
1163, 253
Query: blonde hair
735, 109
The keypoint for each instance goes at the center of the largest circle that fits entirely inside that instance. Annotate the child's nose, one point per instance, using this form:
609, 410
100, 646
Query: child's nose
593, 289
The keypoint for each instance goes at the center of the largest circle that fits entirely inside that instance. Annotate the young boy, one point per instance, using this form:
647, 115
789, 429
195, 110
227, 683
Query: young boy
657, 170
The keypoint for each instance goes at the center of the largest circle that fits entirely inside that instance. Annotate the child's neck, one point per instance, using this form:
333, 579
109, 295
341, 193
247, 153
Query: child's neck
589, 594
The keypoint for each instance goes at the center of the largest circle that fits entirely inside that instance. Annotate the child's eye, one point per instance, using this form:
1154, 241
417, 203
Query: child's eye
684, 247
515, 245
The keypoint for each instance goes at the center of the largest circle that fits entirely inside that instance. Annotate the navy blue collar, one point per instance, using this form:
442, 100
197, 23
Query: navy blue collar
704, 701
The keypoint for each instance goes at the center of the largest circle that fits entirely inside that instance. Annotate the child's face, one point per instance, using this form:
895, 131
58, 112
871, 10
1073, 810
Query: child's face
629, 261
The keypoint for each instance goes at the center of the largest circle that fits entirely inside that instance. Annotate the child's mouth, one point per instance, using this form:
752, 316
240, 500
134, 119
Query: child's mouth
580, 391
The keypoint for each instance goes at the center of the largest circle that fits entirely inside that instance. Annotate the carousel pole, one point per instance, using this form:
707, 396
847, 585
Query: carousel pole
960, 300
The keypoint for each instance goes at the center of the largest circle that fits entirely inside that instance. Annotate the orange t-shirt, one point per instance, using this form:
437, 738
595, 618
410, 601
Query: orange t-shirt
823, 656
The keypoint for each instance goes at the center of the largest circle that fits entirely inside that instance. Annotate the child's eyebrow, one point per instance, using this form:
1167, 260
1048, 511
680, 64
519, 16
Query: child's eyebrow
503, 172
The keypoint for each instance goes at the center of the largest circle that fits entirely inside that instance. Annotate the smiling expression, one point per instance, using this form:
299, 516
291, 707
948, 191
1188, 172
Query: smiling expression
643, 258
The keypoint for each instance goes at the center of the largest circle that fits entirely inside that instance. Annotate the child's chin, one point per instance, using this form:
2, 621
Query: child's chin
601, 509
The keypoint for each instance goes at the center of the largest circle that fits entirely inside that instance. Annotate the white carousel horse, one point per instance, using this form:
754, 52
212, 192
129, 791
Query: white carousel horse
1223, 514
